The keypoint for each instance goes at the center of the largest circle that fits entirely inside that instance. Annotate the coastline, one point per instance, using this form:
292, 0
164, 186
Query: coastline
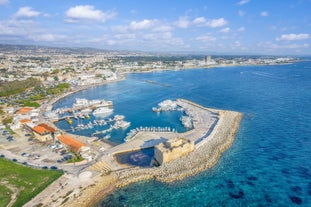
197, 161
124, 74
99, 185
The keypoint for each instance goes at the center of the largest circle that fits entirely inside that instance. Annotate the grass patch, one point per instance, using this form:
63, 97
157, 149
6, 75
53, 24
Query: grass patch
29, 181
75, 158
5, 195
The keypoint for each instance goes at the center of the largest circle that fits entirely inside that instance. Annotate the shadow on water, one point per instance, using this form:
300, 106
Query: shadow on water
140, 158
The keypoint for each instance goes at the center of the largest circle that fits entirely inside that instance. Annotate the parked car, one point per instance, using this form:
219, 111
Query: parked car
53, 168
24, 154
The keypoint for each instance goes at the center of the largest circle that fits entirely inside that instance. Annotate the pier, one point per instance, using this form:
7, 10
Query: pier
204, 122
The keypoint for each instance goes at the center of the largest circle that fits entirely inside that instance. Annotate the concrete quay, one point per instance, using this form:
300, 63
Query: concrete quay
212, 139
204, 120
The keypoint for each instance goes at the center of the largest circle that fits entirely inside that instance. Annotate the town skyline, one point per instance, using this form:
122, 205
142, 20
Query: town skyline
222, 27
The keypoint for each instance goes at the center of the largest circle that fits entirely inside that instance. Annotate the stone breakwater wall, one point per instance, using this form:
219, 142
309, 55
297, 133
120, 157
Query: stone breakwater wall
202, 158
197, 161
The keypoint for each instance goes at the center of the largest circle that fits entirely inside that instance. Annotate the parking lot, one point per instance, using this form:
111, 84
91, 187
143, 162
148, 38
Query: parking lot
27, 150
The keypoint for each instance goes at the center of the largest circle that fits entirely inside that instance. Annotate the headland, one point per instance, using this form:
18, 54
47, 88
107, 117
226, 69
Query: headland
213, 132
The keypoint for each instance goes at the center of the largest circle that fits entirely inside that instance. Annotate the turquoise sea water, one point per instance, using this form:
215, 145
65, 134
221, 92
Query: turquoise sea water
269, 162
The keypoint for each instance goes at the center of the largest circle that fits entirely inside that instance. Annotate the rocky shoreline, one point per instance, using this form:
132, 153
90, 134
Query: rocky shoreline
203, 157
206, 156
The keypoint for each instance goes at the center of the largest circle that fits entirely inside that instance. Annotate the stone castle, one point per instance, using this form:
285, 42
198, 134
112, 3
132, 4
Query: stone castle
172, 149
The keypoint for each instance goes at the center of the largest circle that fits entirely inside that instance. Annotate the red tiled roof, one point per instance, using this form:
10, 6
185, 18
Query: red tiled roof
40, 130
23, 110
47, 127
71, 142
23, 121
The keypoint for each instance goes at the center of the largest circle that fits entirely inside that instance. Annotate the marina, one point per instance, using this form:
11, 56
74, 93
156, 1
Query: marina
81, 108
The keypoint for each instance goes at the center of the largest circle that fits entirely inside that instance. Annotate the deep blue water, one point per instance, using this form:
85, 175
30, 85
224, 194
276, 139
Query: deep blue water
269, 161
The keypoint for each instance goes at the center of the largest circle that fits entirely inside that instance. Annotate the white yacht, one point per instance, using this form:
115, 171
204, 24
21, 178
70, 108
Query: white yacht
102, 111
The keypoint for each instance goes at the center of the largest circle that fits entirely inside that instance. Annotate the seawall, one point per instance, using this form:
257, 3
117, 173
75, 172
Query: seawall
204, 157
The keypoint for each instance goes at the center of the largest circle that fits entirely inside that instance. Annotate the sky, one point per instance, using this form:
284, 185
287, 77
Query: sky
271, 27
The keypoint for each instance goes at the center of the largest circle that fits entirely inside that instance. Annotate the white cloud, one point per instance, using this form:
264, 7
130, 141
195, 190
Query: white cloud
296, 46
225, 30
264, 14
274, 46
88, 12
199, 20
125, 36
243, 2
144, 24
153, 25
157, 36
206, 38
119, 28
216, 22
241, 13
27, 12
46, 37
4, 2
236, 44
183, 22
291, 37
162, 28
15, 27
241, 29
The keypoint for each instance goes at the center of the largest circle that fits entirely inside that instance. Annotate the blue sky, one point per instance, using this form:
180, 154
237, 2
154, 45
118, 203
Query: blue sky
209, 26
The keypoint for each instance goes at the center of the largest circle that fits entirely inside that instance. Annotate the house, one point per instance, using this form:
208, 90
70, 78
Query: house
24, 110
41, 133
70, 142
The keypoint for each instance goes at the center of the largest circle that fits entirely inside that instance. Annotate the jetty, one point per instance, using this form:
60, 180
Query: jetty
204, 122
213, 132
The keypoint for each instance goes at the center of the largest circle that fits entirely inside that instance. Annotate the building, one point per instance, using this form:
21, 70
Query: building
41, 134
172, 149
24, 110
70, 142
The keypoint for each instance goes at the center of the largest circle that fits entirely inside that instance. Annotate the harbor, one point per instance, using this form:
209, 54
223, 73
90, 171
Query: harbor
206, 155
212, 133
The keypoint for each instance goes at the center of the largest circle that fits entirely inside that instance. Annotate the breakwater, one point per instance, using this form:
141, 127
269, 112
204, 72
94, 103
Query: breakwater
204, 157
201, 159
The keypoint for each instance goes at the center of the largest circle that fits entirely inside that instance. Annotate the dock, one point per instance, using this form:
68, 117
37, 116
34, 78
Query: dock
205, 120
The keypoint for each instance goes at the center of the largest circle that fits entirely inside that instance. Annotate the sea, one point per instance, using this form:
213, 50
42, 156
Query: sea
269, 163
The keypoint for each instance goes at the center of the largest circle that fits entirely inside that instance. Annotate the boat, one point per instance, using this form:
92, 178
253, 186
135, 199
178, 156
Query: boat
102, 111
155, 109
121, 124
107, 137
118, 117
86, 111
69, 120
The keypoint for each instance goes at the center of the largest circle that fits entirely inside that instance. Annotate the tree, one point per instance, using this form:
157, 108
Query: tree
7, 120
